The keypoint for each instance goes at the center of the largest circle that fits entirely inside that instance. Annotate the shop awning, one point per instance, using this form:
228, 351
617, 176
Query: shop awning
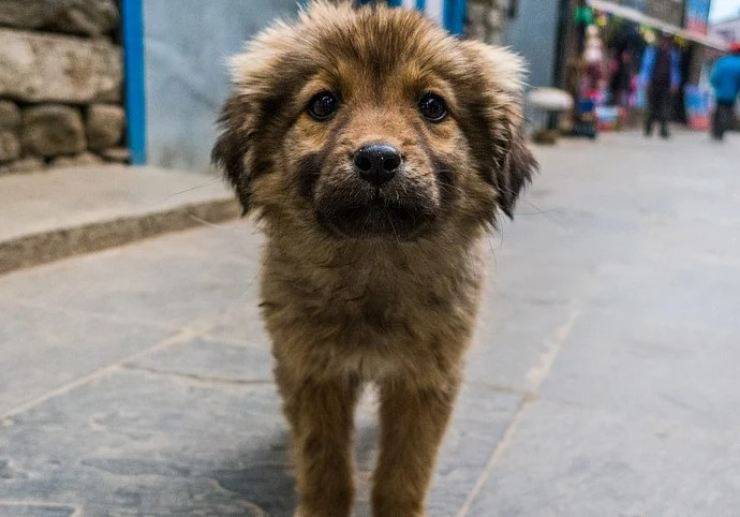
629, 13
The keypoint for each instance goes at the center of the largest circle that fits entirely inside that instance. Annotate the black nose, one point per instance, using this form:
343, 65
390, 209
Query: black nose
377, 163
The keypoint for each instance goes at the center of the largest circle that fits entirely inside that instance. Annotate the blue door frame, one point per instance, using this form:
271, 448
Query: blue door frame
454, 17
132, 12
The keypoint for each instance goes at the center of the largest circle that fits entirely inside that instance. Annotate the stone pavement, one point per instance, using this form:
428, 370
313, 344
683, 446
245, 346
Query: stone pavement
604, 379
67, 211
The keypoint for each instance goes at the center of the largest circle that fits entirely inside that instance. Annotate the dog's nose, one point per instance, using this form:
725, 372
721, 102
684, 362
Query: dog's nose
377, 163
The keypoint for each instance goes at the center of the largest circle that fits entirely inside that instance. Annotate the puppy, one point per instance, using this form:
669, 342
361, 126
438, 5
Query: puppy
376, 149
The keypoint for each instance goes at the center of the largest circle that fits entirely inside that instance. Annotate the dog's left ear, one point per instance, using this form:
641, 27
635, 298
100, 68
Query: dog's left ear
230, 150
497, 90
516, 171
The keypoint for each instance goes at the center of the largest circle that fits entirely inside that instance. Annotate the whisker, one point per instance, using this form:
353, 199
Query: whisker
203, 185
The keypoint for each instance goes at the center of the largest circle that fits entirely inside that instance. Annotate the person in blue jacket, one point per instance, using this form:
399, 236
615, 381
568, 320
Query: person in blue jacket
661, 74
726, 83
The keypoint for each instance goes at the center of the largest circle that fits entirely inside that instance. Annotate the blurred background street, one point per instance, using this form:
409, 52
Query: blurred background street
137, 380
136, 376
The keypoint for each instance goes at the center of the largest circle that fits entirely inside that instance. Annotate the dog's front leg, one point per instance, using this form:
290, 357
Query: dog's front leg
321, 417
413, 421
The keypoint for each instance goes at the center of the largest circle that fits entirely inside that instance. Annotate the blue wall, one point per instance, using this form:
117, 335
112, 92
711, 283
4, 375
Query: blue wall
533, 34
186, 46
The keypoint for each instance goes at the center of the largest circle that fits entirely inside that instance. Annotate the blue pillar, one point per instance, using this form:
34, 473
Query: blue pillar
134, 85
454, 16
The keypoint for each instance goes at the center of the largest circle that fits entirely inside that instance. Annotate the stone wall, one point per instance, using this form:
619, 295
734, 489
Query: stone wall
61, 84
670, 11
486, 20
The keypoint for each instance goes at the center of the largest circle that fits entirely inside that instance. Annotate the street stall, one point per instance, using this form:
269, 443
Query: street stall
605, 64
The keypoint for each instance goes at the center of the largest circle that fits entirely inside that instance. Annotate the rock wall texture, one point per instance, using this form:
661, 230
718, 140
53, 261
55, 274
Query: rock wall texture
670, 11
486, 20
61, 83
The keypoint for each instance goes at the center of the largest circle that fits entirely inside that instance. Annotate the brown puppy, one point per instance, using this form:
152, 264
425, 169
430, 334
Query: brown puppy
376, 150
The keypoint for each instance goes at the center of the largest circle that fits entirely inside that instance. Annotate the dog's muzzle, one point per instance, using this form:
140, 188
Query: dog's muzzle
369, 211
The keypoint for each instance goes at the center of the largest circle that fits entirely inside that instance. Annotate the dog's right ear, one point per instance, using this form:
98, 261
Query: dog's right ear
230, 150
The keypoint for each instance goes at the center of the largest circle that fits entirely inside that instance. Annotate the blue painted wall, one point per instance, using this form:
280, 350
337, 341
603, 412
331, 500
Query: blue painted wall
533, 34
186, 46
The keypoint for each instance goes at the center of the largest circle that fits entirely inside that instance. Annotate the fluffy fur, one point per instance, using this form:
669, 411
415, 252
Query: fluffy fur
362, 284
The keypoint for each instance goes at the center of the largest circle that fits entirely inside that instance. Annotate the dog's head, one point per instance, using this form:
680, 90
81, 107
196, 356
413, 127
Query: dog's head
373, 122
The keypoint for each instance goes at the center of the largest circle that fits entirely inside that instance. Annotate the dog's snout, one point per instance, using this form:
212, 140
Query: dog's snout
377, 163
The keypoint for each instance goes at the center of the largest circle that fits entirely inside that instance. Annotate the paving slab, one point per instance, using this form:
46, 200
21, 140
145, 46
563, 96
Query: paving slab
210, 360
170, 282
132, 443
480, 420
55, 214
44, 349
684, 375
563, 460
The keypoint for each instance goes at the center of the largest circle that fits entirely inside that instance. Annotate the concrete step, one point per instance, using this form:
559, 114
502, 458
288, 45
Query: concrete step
47, 216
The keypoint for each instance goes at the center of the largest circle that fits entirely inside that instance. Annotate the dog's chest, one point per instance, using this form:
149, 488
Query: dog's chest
371, 300
363, 301
369, 319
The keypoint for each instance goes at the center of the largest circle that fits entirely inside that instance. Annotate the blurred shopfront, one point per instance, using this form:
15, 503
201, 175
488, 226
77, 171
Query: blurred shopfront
602, 47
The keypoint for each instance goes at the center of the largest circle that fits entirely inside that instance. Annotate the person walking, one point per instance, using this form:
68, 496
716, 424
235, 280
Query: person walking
726, 83
661, 74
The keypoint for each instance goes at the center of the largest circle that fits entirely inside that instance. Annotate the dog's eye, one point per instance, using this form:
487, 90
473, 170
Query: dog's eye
433, 107
323, 105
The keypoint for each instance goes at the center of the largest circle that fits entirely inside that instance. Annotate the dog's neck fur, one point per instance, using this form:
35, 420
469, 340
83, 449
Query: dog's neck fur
383, 257
375, 271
